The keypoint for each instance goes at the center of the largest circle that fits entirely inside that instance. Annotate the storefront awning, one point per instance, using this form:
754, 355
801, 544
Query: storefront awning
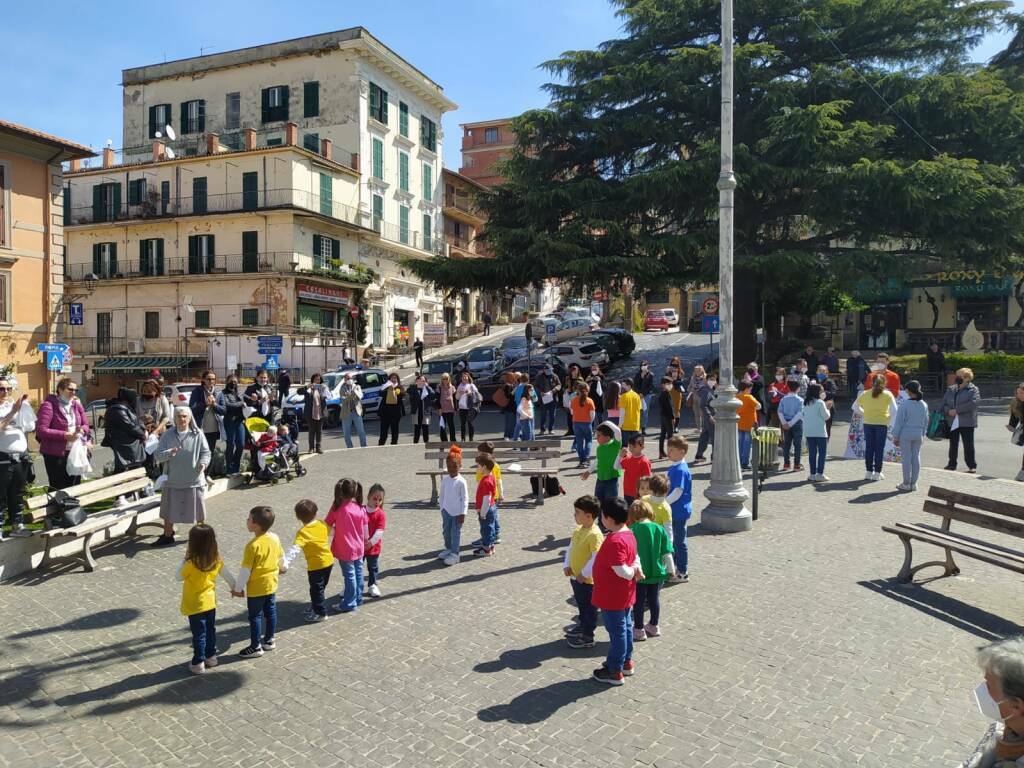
128, 364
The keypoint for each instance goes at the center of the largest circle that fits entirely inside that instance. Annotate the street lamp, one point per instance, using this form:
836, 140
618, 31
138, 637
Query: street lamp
726, 495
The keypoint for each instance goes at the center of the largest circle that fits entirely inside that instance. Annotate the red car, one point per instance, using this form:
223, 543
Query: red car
656, 320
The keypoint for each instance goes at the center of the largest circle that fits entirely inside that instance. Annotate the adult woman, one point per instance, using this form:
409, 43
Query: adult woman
124, 433
152, 403
1000, 698
205, 408
350, 395
185, 454
595, 382
421, 398
469, 400
446, 404
392, 408
16, 419
231, 400
1016, 420
828, 388
61, 421
508, 410
877, 405
757, 386
692, 400
960, 405
611, 400
314, 409
572, 381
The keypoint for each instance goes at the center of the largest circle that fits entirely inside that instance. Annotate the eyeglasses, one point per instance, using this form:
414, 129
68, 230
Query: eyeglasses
72, 390
4, 389
211, 378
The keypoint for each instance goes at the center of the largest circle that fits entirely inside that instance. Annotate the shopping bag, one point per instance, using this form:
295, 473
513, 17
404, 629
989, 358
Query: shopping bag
938, 428
1017, 438
78, 460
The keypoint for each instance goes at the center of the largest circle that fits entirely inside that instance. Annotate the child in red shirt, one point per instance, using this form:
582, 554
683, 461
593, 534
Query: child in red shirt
616, 571
376, 522
486, 504
634, 465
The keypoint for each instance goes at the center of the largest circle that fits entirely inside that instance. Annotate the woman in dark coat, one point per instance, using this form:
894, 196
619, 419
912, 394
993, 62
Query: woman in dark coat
392, 408
234, 423
124, 434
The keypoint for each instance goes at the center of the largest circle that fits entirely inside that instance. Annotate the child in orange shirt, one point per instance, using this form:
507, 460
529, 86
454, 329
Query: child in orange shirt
747, 412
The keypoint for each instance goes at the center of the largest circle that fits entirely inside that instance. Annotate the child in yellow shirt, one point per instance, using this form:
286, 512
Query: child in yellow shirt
311, 540
579, 565
198, 576
487, 448
653, 490
262, 560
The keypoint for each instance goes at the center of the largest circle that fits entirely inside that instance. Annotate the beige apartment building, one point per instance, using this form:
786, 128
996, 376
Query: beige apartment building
31, 249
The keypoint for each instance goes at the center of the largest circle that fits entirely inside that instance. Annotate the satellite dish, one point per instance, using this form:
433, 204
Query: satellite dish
158, 135
169, 133
169, 153
189, 306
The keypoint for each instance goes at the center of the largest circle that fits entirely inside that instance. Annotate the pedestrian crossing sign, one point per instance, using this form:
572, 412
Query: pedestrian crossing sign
54, 361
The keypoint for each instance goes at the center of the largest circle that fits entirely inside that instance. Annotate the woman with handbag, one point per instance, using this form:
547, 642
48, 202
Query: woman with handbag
61, 421
16, 419
960, 405
1016, 425
185, 454
469, 399
124, 433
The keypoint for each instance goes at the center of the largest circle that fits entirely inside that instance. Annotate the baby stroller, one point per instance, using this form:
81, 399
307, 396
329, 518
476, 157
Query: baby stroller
271, 457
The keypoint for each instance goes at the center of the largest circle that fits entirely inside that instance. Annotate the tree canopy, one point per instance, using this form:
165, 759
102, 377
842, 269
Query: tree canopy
866, 144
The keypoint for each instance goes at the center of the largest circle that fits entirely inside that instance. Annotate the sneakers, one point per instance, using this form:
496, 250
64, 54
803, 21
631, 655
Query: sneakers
812, 478
451, 560
250, 652
606, 676
580, 641
903, 487
483, 551
268, 645
312, 617
628, 668
20, 531
869, 476
374, 590
211, 662
443, 554
639, 635
970, 471
652, 630
163, 541
196, 669
879, 476
798, 468
823, 478
497, 539
786, 467
477, 543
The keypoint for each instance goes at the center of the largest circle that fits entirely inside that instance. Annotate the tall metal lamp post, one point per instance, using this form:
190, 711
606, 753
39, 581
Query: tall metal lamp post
726, 495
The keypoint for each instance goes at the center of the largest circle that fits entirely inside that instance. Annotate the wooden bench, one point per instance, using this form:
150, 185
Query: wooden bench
129, 484
502, 457
977, 511
540, 472
503, 449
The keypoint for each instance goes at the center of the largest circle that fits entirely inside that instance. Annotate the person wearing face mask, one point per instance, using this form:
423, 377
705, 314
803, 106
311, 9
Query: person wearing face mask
230, 400
421, 397
697, 380
260, 398
548, 388
185, 455
756, 385
350, 395
828, 394
856, 370
391, 409
61, 421
643, 385
960, 407
881, 366
208, 414
314, 409
776, 391
16, 419
596, 383
799, 373
124, 433
572, 382
1000, 699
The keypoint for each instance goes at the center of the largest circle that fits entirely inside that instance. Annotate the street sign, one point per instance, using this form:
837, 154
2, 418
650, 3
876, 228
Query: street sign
68, 356
710, 324
271, 364
76, 314
710, 306
272, 340
269, 350
52, 347
54, 361
354, 312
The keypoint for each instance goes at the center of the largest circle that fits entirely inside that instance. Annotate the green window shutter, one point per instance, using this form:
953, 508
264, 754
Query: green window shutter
428, 181
97, 260
250, 251
284, 102
184, 117
160, 257
115, 205
318, 252
335, 250
403, 119
153, 127
311, 141
210, 261
202, 318
136, 188
403, 171
67, 204
97, 204
378, 211
265, 106
326, 202
250, 190
113, 258
378, 159
428, 232
201, 128
144, 265
311, 99
403, 224
193, 254
199, 194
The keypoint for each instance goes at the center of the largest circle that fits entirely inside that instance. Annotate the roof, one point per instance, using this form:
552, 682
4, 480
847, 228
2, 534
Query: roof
71, 148
487, 123
465, 179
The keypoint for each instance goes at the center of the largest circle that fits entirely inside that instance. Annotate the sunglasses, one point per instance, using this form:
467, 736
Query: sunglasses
4, 389
72, 390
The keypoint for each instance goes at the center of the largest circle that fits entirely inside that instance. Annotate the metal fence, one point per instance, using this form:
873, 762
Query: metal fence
183, 265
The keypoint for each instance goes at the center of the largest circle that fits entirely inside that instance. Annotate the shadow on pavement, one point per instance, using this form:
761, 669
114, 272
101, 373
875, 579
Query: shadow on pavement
538, 705
871, 498
548, 544
968, 618
99, 620
534, 656
175, 690
467, 579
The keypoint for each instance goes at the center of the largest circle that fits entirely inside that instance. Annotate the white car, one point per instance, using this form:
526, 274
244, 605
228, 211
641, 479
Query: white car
582, 353
673, 318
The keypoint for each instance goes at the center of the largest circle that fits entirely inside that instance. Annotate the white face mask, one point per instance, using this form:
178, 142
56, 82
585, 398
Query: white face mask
988, 706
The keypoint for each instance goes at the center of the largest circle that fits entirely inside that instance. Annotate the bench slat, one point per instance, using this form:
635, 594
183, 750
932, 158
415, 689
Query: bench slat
978, 519
960, 546
91, 486
99, 521
39, 512
978, 502
522, 472
995, 549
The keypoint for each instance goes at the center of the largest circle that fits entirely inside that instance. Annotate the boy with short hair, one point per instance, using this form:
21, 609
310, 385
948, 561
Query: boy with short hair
262, 561
680, 499
579, 567
487, 447
312, 541
609, 444
747, 413
486, 505
791, 412
634, 465
666, 415
454, 500
616, 571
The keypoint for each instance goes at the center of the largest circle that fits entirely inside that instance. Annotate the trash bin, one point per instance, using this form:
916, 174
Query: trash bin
766, 443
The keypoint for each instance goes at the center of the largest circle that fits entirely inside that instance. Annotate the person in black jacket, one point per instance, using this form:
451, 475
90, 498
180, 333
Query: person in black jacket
284, 387
124, 434
643, 385
936, 361
391, 409
259, 397
417, 347
666, 415
421, 403
230, 401
856, 372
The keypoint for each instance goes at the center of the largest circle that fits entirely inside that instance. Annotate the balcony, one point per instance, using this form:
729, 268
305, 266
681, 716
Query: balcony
461, 202
219, 264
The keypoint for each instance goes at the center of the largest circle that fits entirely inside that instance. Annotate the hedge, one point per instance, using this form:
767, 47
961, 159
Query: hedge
997, 363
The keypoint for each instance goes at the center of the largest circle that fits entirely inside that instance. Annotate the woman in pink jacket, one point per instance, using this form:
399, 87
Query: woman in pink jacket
60, 422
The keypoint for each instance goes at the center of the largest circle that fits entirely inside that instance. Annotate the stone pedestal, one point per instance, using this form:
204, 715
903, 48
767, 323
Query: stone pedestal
726, 511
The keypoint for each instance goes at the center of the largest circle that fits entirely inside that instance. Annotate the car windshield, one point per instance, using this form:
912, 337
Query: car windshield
514, 343
369, 380
589, 349
438, 366
481, 355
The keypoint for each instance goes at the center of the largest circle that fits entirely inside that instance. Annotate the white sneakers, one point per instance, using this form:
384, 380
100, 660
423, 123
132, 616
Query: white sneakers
874, 476
451, 559
374, 590
443, 554
819, 478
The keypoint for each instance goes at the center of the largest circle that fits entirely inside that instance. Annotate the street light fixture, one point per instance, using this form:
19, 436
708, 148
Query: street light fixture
726, 495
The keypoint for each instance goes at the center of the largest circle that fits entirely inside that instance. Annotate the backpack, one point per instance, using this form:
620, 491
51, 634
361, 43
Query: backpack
551, 486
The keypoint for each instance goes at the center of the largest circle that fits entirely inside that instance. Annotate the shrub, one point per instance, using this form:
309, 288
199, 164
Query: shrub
994, 363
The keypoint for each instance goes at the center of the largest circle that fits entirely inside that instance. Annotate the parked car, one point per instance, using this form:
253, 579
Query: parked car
180, 392
605, 342
560, 326
96, 412
673, 318
369, 379
532, 365
622, 337
515, 347
483, 360
582, 353
655, 320
433, 369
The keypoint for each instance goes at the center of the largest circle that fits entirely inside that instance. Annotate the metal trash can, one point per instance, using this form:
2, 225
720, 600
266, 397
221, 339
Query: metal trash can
766, 443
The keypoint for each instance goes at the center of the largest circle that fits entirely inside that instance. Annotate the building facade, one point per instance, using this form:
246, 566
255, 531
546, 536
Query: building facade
31, 249
483, 144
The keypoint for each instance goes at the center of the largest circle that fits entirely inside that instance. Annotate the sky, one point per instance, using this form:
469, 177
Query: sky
484, 53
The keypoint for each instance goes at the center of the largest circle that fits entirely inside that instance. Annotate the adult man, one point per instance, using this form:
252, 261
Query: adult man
881, 367
830, 360
811, 357
259, 397
284, 386
487, 323
643, 385
548, 388
936, 364
855, 370
351, 396
417, 347
203, 404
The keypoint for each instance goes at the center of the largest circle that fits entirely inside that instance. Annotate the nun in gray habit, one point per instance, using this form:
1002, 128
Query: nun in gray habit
185, 454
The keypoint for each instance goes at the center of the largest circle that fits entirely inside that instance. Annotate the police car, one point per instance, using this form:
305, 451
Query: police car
371, 380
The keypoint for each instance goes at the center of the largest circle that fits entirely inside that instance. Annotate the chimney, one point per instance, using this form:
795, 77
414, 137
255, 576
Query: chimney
250, 138
76, 164
326, 149
212, 143
108, 157
158, 150
291, 134
355, 161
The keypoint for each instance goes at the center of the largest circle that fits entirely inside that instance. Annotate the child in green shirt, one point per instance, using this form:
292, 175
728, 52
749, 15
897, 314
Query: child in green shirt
655, 552
609, 444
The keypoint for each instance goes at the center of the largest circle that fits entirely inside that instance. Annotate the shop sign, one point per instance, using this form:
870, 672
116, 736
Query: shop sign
434, 334
987, 286
323, 293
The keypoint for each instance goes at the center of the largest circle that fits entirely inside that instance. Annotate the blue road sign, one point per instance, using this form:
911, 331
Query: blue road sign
54, 361
76, 314
62, 348
275, 341
710, 324
271, 364
273, 349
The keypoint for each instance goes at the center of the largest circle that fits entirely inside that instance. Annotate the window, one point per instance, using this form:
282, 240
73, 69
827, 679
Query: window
251, 317
152, 325
311, 141
193, 116
657, 297
326, 202
200, 254
403, 224
428, 133
428, 234
104, 259
378, 103
311, 99
274, 104
403, 171
274, 142
199, 194
490, 136
66, 206
103, 328
106, 202
378, 159
151, 257
136, 191
325, 250
159, 119
233, 111
202, 318
378, 212
250, 191
5, 297
165, 196
428, 181
403, 119
251, 251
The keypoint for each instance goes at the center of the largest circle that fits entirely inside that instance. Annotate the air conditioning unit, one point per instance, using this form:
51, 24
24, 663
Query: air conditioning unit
136, 346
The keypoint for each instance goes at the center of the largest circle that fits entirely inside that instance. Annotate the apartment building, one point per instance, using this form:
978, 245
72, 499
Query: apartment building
31, 249
485, 143
462, 223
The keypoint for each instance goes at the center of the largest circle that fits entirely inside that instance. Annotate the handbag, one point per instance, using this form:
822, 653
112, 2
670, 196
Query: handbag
28, 469
938, 427
63, 510
500, 397
1017, 438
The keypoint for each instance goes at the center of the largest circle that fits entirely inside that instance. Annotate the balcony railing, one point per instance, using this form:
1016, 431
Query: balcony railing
460, 242
461, 201
98, 345
219, 264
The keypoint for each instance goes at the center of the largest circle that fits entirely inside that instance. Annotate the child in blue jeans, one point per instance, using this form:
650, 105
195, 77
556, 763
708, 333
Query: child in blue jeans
680, 498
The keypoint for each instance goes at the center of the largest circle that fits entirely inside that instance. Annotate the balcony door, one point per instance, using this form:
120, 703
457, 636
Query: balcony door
200, 254
250, 191
103, 333
250, 251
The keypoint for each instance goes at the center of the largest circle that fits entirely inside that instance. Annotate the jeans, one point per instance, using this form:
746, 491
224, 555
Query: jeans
510, 424
647, 598
262, 608
910, 457
57, 476
607, 489
746, 440
967, 435
645, 413
524, 429
316, 432
874, 446
791, 439
353, 420
421, 429
588, 613
448, 427
584, 437
487, 534
235, 438
352, 597
204, 635
680, 552
621, 636
451, 530
547, 416
466, 418
12, 485
317, 586
372, 569
816, 449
